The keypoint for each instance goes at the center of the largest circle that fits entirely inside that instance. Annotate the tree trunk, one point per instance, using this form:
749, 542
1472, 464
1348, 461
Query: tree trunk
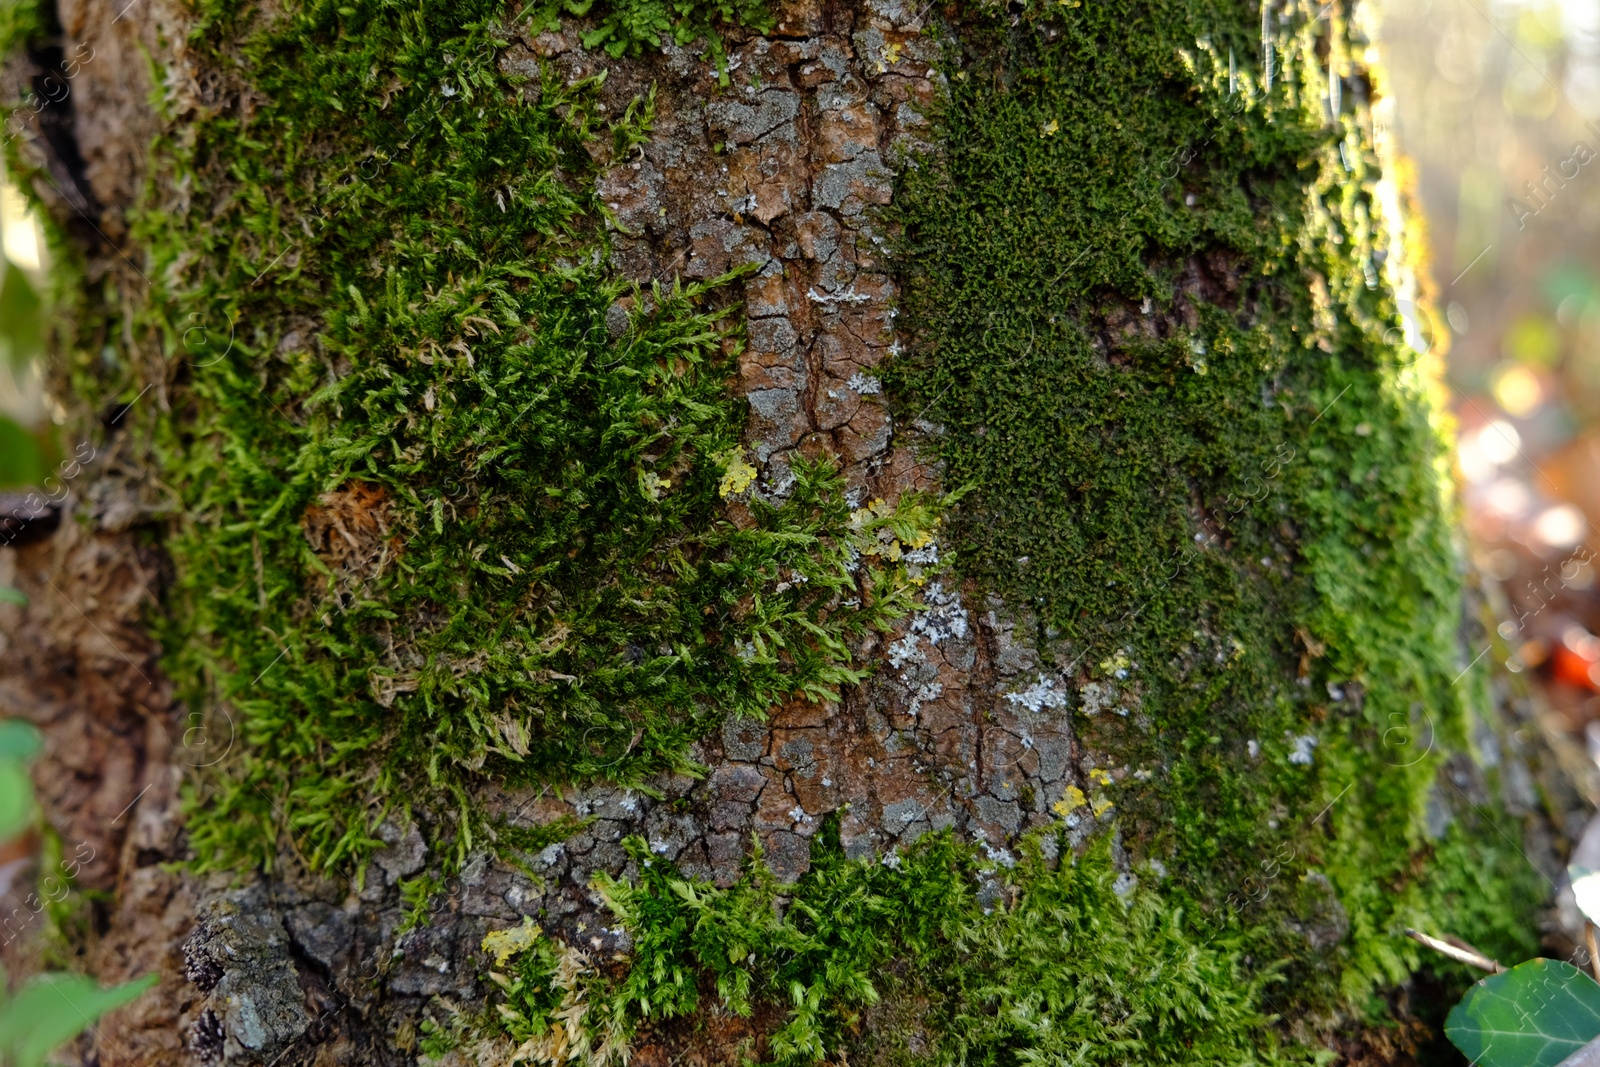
1197, 631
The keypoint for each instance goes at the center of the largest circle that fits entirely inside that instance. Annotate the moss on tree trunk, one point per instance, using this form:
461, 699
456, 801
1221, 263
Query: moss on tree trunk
806, 532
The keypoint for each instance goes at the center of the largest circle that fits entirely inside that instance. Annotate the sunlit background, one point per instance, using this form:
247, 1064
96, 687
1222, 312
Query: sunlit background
1498, 106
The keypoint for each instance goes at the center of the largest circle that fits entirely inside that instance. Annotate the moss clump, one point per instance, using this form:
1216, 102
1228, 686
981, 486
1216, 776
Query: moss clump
627, 27
1238, 524
1148, 302
451, 501
1044, 962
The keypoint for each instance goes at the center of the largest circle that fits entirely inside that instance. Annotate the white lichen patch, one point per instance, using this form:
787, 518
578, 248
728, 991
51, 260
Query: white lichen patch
1097, 697
1001, 856
1042, 694
905, 651
925, 692
864, 384
940, 618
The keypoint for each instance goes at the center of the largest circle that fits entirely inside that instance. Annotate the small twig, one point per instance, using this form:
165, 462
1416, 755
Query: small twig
1594, 953
1462, 953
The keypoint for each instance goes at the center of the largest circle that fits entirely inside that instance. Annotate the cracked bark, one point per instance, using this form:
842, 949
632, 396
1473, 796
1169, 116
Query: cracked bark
957, 729
783, 179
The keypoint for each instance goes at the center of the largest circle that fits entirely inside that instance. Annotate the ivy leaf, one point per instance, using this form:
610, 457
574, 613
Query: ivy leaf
21, 462
51, 1009
16, 798
21, 317
1534, 1015
18, 739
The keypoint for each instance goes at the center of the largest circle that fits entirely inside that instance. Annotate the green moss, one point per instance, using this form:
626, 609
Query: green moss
1239, 516
23, 24
537, 838
626, 27
376, 286
380, 301
416, 900
1066, 971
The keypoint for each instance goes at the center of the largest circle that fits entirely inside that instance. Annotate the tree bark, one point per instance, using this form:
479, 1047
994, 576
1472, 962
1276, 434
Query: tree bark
958, 728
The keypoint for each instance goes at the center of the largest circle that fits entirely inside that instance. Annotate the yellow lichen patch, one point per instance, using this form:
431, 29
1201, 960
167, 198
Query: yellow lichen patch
503, 944
736, 474
1113, 664
1100, 805
1071, 801
888, 531
1099, 777
879, 508
1050, 128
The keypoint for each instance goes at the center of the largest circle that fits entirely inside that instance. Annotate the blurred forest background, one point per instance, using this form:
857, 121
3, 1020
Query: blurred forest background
1497, 105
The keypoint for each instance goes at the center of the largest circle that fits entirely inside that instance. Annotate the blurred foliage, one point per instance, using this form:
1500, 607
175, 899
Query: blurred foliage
21, 459
21, 319
49, 1009
22, 23
1532, 339
19, 743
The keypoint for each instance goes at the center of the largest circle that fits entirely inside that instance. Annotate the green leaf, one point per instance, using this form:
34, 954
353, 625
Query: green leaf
8, 595
53, 1008
1534, 1015
18, 739
21, 462
16, 798
21, 317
